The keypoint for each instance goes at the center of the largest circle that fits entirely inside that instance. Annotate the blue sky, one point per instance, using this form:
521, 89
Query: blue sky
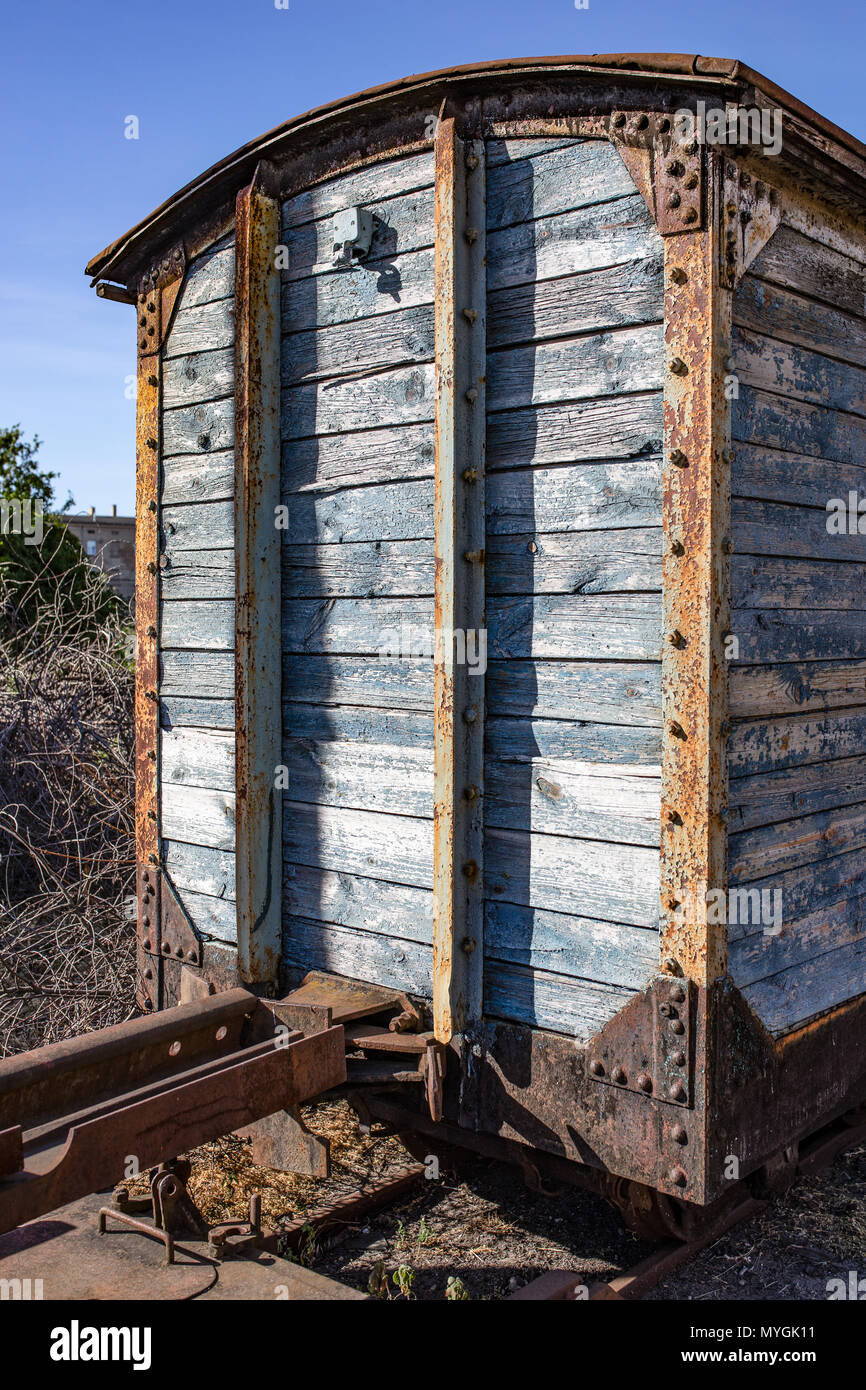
205, 77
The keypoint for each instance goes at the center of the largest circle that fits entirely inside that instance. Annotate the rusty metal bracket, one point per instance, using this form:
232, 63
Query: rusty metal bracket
647, 1046
178, 936
669, 171
750, 213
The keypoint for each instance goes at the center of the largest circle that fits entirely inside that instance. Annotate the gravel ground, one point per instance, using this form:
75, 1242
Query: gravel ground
480, 1233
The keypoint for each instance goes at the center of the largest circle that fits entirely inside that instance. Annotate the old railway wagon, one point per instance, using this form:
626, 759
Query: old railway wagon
499, 644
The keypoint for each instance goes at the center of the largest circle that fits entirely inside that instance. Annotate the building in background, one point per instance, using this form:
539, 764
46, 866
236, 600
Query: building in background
109, 542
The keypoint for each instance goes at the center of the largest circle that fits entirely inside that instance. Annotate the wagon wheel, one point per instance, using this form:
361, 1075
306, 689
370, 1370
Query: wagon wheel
649, 1214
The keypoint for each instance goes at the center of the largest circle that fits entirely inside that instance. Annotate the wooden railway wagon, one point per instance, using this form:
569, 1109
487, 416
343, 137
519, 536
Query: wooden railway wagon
499, 640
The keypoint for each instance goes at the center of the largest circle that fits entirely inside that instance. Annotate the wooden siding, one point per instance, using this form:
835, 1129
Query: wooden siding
573, 748
198, 585
797, 752
573, 576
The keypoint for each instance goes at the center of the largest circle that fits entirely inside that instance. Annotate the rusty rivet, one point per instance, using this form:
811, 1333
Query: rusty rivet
472, 161
676, 729
145, 877
179, 952
677, 994
692, 181
677, 548
596, 1068
644, 1083
470, 868
727, 455
619, 119
151, 631
671, 966
153, 859
677, 1026
143, 321
191, 955
473, 557
677, 366
151, 567
470, 715
470, 475
471, 234
145, 922
470, 314
471, 793
152, 444
674, 817
151, 506
678, 1092
670, 902
691, 147
690, 215
678, 275
666, 1010
674, 200
679, 459
152, 756
165, 948
148, 974
678, 1059
676, 168
676, 639
151, 694
153, 380
664, 124
619, 1076
151, 815
679, 1135
678, 1177
468, 945
472, 395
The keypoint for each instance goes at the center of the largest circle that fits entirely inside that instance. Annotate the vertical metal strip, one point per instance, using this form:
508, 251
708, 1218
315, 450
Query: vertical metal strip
696, 524
257, 572
460, 656
147, 650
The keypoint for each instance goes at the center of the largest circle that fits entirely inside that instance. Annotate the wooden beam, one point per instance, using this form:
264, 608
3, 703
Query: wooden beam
460, 215
257, 574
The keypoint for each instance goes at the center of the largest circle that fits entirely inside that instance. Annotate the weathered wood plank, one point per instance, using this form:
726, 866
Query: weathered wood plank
363, 776
403, 396
397, 339
383, 512
769, 364
199, 429
362, 955
189, 712
199, 574
198, 376
367, 904
214, 918
759, 956
758, 417
208, 625
566, 797
807, 894
576, 625
203, 477
200, 869
789, 689
770, 635
211, 275
199, 816
202, 674
611, 428
612, 297
798, 479
772, 528
203, 526
808, 267
393, 683
387, 179
402, 727
791, 997
618, 362
396, 848
373, 569
764, 744
769, 797
201, 326
555, 181
773, 849
365, 292
613, 883
525, 739
556, 1002
767, 308
509, 151
587, 562
574, 946
578, 497
772, 582
374, 456
198, 758
584, 239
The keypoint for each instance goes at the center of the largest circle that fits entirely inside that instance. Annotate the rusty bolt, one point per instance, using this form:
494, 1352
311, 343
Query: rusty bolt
677, 1026
619, 1076
470, 314
692, 181
472, 395
677, 548
678, 458
473, 557
678, 1059
644, 1083
470, 869
471, 793
666, 1010
677, 729
151, 444
471, 234
151, 506
472, 161
677, 366
670, 966
677, 994
596, 1067
678, 1177
679, 1134
678, 275
470, 475
676, 639
468, 945
676, 168
690, 215
678, 1092
674, 200
619, 119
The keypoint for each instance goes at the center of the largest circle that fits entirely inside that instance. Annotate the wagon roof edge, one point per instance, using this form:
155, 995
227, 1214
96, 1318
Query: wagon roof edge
116, 259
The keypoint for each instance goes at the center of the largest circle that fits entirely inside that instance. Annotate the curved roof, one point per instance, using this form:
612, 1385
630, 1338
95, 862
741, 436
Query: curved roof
123, 256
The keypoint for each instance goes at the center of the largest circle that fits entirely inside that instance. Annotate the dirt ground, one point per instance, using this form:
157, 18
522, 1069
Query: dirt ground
481, 1234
